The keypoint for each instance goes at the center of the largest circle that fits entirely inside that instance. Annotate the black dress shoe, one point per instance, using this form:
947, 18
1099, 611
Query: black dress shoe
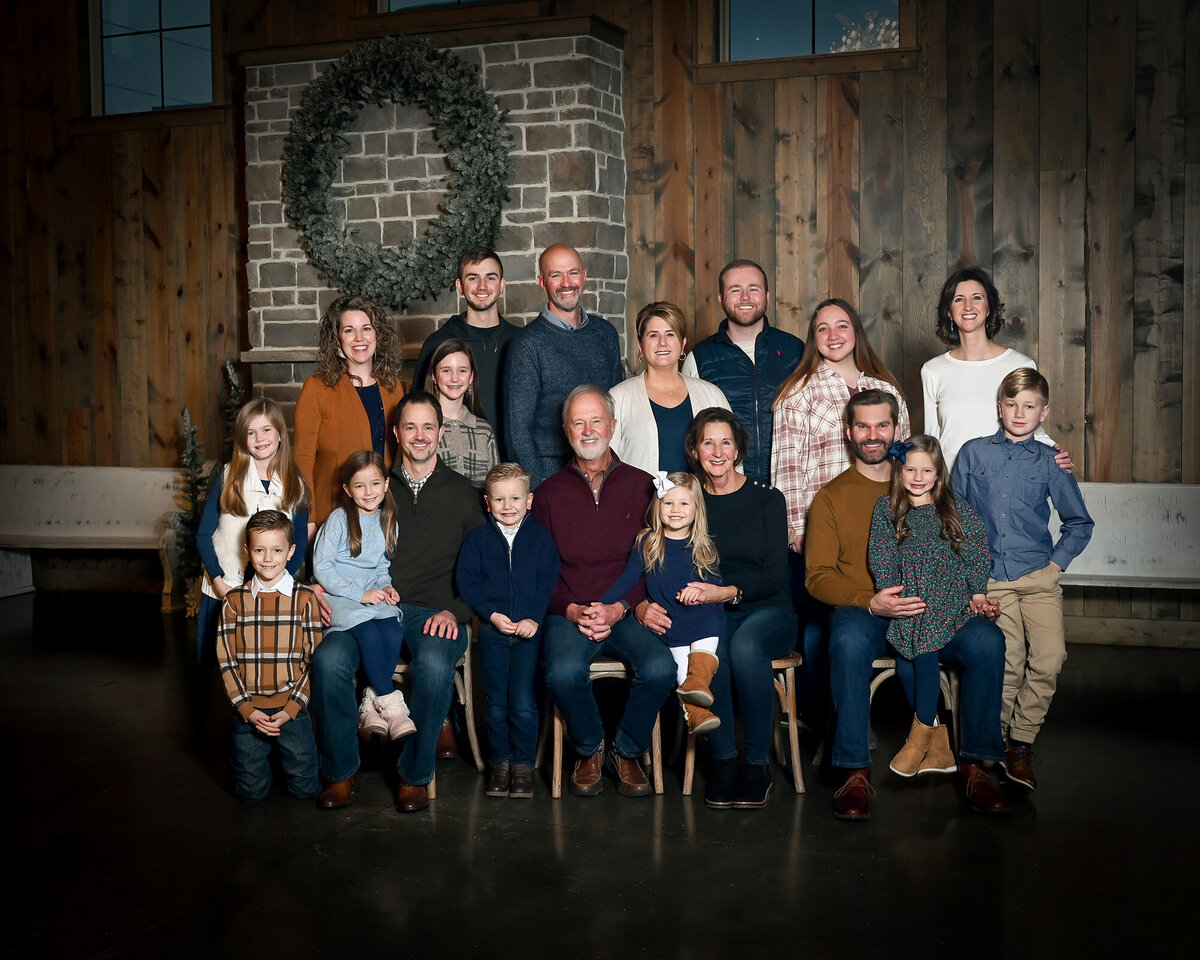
754, 787
721, 789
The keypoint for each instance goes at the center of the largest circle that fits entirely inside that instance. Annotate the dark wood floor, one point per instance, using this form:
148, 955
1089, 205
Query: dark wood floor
126, 840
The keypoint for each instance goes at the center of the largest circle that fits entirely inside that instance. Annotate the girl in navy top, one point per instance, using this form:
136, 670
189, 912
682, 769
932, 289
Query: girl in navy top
673, 553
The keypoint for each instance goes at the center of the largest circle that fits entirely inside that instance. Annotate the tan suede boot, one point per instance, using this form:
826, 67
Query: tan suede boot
699, 719
695, 686
912, 753
939, 758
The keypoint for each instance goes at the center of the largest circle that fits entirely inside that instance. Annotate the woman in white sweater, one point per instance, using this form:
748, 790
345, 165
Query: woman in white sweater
655, 407
960, 386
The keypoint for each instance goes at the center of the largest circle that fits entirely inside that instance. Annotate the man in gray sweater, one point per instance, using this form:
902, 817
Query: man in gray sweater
563, 347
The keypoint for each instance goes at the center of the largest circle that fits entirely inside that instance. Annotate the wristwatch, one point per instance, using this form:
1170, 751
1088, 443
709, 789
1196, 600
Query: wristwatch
737, 597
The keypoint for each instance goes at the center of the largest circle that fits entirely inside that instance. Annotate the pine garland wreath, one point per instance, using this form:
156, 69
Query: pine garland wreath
470, 126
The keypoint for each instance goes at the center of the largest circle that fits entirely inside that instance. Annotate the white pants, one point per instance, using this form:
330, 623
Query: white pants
681, 654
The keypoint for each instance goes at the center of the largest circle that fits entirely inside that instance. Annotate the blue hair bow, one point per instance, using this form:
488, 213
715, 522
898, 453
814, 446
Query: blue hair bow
900, 450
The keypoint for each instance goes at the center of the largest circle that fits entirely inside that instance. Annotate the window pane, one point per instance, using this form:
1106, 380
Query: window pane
131, 74
185, 13
187, 67
409, 4
128, 16
844, 25
759, 29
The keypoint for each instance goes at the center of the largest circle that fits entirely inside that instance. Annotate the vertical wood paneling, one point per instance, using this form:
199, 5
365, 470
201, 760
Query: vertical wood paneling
753, 209
1190, 466
640, 162
924, 199
714, 186
1110, 237
1015, 171
1158, 242
130, 302
881, 213
1062, 268
798, 245
969, 137
674, 150
841, 234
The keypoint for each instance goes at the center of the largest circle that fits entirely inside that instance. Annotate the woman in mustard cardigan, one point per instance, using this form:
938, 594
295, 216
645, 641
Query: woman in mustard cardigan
347, 404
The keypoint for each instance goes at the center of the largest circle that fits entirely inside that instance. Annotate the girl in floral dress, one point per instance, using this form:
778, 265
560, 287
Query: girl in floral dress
935, 545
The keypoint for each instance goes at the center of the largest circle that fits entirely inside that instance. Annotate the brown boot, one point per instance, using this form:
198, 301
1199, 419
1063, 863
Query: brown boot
939, 758
912, 753
699, 719
695, 686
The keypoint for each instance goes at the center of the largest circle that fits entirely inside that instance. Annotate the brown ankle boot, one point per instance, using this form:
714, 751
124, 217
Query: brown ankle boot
699, 719
695, 686
913, 752
939, 758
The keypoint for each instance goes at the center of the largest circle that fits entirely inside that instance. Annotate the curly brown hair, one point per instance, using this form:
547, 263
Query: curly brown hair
331, 365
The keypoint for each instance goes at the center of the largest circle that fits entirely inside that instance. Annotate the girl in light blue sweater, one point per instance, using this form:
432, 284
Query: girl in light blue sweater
351, 561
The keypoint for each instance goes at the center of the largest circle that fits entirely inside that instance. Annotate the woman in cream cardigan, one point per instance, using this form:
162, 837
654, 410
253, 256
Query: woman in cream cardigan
347, 405
655, 407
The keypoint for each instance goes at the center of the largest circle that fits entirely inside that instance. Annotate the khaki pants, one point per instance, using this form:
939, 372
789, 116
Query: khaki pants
1036, 648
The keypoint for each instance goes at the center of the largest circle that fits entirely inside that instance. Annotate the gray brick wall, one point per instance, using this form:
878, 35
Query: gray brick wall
564, 101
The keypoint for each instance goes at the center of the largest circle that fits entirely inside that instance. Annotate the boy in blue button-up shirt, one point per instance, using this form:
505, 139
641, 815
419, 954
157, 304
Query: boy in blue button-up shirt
1011, 479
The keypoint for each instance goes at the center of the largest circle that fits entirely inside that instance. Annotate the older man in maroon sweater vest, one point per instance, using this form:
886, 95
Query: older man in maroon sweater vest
594, 507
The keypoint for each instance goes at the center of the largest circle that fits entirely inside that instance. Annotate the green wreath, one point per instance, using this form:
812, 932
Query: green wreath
470, 126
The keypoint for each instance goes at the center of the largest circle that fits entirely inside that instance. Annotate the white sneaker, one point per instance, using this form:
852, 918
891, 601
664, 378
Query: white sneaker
369, 718
394, 711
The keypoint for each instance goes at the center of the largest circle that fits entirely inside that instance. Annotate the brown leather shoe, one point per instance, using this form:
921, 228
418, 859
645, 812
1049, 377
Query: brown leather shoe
853, 798
522, 782
981, 789
410, 799
586, 780
338, 794
1018, 764
631, 778
447, 746
498, 783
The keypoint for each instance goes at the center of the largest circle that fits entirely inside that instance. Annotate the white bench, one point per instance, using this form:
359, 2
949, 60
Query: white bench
1147, 535
105, 508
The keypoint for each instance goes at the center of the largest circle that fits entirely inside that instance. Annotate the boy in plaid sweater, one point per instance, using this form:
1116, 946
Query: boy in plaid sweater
268, 630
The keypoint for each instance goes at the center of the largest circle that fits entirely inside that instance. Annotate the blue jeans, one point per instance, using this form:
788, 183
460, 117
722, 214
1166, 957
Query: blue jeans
379, 646
752, 639
252, 757
856, 638
509, 666
569, 656
336, 661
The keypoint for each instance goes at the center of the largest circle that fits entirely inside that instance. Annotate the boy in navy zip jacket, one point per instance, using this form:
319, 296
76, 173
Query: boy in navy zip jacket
506, 571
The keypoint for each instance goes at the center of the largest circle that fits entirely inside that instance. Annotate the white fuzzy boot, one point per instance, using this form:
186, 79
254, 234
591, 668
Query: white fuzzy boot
369, 719
394, 711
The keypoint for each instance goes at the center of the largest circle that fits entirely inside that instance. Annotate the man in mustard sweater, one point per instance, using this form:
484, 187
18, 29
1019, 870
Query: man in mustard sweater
839, 527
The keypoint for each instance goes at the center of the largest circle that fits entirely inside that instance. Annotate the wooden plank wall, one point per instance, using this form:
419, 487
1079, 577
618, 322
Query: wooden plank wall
118, 268
1055, 143
1071, 170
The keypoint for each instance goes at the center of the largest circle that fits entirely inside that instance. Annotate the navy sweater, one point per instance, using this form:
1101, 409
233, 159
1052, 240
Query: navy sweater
516, 583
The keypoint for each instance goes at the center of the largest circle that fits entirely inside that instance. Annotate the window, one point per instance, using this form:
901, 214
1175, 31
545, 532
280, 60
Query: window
765, 29
152, 55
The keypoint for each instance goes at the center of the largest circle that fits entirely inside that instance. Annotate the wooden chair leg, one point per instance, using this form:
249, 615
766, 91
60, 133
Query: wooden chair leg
433, 788
464, 686
556, 755
656, 761
789, 688
689, 765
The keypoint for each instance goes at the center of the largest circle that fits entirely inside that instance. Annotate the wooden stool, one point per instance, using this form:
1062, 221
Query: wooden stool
785, 689
601, 670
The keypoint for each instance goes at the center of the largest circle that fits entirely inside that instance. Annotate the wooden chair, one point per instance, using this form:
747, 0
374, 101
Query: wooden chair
785, 689
464, 692
602, 669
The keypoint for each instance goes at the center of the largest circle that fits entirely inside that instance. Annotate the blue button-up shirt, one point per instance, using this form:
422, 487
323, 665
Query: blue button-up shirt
1012, 486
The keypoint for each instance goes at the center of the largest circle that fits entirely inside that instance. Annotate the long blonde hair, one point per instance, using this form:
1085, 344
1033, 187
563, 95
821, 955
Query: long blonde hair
387, 511
865, 359
283, 464
653, 539
942, 494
